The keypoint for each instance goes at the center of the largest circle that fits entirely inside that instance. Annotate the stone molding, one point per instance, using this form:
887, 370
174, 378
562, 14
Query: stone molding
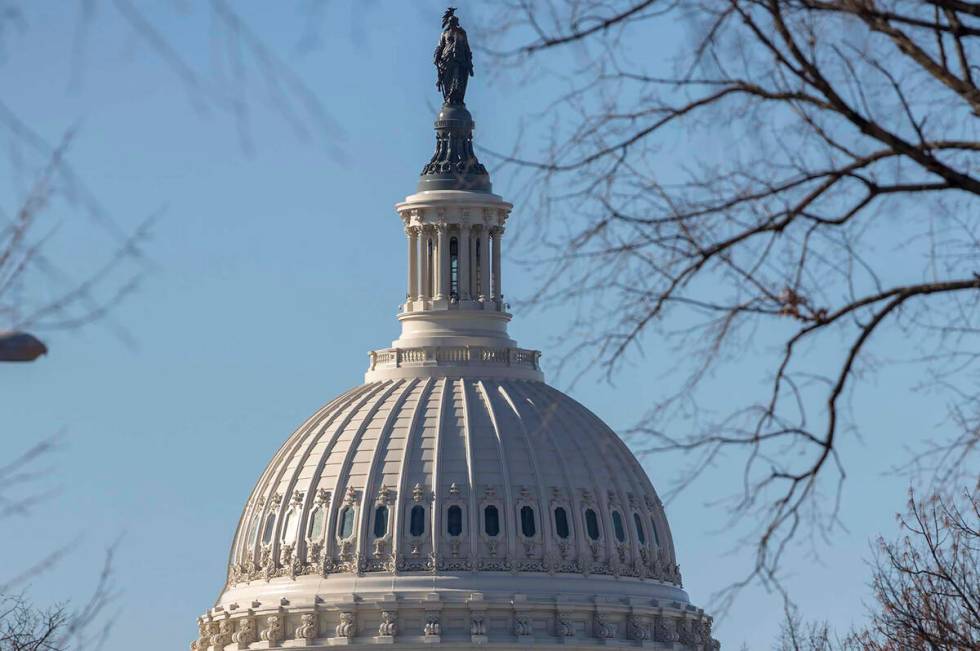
464, 621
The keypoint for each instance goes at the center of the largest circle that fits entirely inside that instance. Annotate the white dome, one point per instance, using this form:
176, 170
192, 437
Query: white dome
562, 493
373, 518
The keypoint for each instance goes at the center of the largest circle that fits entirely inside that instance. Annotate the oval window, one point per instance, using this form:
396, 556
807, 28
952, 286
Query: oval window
561, 522
380, 521
454, 521
618, 526
653, 528
316, 525
346, 522
639, 529
417, 521
592, 524
491, 521
527, 522
270, 527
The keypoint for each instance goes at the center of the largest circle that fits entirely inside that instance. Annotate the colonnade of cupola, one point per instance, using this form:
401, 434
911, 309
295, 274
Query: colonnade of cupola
454, 253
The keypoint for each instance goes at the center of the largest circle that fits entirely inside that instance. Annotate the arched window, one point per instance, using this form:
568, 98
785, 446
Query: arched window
346, 522
454, 520
289, 527
454, 268
527, 522
253, 531
618, 526
592, 524
653, 528
270, 527
491, 521
561, 522
417, 521
316, 525
380, 521
640, 534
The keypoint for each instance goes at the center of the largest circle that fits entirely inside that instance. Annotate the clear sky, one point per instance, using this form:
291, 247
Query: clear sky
276, 264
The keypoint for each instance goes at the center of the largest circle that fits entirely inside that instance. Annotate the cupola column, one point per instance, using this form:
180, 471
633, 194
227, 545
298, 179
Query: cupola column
442, 266
426, 264
484, 264
464, 262
413, 262
497, 234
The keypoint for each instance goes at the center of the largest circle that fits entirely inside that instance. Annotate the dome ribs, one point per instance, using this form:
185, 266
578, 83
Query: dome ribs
341, 478
372, 485
539, 500
294, 483
609, 448
411, 436
473, 516
543, 414
262, 492
437, 487
576, 501
510, 524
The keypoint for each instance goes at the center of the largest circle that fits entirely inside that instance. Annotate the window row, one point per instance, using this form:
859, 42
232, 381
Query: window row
454, 524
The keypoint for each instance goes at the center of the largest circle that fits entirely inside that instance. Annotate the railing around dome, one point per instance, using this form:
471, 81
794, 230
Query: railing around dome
454, 356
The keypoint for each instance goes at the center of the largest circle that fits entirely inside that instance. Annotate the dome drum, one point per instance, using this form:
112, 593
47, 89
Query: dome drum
464, 619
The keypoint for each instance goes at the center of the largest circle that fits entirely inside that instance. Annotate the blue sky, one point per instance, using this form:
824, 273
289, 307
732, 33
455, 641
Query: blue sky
275, 265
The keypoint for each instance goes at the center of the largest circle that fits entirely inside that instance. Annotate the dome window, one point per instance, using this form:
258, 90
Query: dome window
640, 534
592, 524
561, 522
346, 522
454, 521
316, 525
270, 527
527, 522
289, 527
417, 521
618, 526
491, 521
653, 527
253, 531
380, 521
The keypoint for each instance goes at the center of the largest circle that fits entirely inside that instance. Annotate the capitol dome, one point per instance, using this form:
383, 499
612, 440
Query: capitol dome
454, 498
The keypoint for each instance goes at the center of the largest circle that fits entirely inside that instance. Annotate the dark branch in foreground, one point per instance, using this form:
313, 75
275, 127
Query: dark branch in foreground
803, 173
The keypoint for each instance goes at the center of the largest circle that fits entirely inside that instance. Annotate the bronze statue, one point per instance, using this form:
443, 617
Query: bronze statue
453, 59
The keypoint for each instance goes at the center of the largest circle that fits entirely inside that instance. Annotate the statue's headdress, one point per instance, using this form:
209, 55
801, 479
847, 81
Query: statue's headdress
448, 17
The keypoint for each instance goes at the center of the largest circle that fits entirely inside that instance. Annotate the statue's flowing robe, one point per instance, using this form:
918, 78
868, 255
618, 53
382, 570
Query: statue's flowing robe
454, 62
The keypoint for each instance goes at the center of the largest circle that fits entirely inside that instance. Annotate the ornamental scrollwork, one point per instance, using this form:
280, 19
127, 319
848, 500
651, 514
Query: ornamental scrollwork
603, 628
272, 632
347, 626
637, 629
245, 634
307, 629
389, 624
432, 626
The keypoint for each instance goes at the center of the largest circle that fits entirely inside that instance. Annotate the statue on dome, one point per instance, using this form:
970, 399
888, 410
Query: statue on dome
453, 59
